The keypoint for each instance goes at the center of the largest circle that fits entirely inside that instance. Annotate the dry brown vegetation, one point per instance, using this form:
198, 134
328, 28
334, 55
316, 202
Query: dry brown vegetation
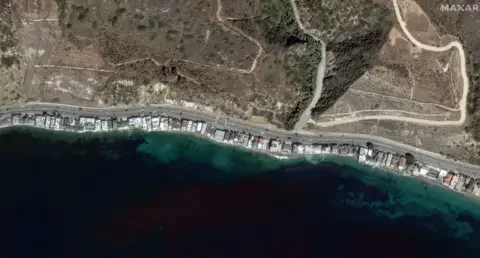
426, 83
423, 83
10, 59
344, 20
464, 26
451, 141
354, 32
248, 59
141, 52
207, 57
163, 30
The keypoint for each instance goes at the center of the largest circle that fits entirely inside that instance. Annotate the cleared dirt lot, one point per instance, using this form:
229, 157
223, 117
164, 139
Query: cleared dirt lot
423, 76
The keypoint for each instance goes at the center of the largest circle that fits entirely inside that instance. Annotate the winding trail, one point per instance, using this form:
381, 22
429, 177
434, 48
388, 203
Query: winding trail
320, 72
219, 17
463, 62
463, 69
260, 48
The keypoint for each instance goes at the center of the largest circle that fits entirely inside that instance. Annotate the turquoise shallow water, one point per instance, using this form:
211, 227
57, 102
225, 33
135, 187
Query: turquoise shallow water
135, 194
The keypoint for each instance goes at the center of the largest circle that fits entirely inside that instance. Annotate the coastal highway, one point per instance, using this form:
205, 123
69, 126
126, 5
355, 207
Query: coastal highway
383, 144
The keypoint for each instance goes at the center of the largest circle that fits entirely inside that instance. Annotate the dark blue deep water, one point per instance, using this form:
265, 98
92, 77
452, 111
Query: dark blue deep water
168, 195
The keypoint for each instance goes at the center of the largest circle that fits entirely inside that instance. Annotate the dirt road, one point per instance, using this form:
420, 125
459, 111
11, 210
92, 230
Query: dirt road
320, 72
463, 68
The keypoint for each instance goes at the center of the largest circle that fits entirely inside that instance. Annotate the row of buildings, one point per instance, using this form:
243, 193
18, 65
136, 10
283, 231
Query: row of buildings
275, 145
377, 158
368, 156
456, 181
396, 162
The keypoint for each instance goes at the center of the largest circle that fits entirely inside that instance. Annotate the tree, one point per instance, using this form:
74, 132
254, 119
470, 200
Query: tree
410, 158
369, 145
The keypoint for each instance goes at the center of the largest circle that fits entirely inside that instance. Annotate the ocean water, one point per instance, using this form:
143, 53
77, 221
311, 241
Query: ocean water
137, 194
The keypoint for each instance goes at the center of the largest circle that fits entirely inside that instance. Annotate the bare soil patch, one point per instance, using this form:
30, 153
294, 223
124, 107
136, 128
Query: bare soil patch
417, 22
464, 26
423, 76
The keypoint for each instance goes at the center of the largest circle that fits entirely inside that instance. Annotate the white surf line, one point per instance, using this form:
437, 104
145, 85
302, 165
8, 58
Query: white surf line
463, 68
320, 72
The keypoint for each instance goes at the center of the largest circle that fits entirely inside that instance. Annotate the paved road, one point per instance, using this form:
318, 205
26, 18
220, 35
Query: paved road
268, 131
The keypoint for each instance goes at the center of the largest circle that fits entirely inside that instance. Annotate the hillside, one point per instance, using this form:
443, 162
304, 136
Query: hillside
247, 59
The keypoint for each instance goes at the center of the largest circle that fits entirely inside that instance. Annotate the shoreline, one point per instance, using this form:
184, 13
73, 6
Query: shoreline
348, 166
199, 136
314, 159
33, 109
340, 160
330, 158
380, 157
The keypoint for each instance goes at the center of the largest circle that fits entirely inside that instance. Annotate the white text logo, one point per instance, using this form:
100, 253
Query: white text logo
459, 7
